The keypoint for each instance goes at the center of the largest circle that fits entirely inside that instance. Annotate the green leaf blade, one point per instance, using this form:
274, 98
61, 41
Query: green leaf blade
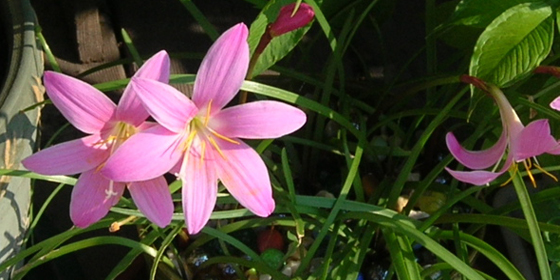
513, 44
479, 13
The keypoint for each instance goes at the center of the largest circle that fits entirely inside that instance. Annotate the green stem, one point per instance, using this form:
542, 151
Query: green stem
532, 223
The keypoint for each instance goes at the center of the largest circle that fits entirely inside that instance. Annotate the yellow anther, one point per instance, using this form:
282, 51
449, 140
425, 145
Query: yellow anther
116, 226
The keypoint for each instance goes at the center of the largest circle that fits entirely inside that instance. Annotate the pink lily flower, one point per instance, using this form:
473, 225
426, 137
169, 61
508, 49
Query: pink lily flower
107, 126
288, 21
522, 143
199, 141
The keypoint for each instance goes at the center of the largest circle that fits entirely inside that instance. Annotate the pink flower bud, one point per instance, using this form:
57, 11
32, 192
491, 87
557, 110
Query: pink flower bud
287, 22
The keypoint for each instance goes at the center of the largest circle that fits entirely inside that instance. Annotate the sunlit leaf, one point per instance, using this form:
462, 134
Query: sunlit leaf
513, 44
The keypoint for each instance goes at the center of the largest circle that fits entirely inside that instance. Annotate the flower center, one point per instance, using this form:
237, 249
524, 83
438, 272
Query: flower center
120, 133
202, 135
199, 127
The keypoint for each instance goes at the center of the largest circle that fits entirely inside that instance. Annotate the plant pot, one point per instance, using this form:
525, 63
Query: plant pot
21, 68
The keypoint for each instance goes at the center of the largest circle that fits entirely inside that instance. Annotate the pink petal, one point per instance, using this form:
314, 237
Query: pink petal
153, 199
535, 139
223, 69
130, 109
85, 107
166, 105
156, 67
258, 120
480, 177
245, 176
146, 155
477, 159
555, 104
92, 198
477, 177
68, 158
200, 188
556, 150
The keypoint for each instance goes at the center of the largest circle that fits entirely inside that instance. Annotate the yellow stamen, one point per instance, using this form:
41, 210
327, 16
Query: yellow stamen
213, 142
546, 172
223, 137
207, 119
513, 170
116, 226
202, 151
100, 167
188, 143
102, 142
527, 164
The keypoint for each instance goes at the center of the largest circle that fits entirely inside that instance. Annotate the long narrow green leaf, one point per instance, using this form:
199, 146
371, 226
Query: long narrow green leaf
411, 161
532, 223
39, 214
487, 250
201, 19
336, 208
233, 241
127, 260
47, 49
401, 225
300, 231
50, 178
402, 255
82, 244
323, 22
163, 247
498, 220
293, 98
131, 48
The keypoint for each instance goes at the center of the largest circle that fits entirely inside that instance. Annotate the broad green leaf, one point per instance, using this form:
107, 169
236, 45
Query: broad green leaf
278, 47
513, 44
479, 13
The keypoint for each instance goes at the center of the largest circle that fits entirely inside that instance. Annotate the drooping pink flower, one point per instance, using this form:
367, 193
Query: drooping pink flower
199, 141
522, 142
288, 21
107, 126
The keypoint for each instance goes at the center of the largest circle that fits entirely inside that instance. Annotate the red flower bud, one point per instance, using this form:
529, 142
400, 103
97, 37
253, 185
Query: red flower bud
287, 21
